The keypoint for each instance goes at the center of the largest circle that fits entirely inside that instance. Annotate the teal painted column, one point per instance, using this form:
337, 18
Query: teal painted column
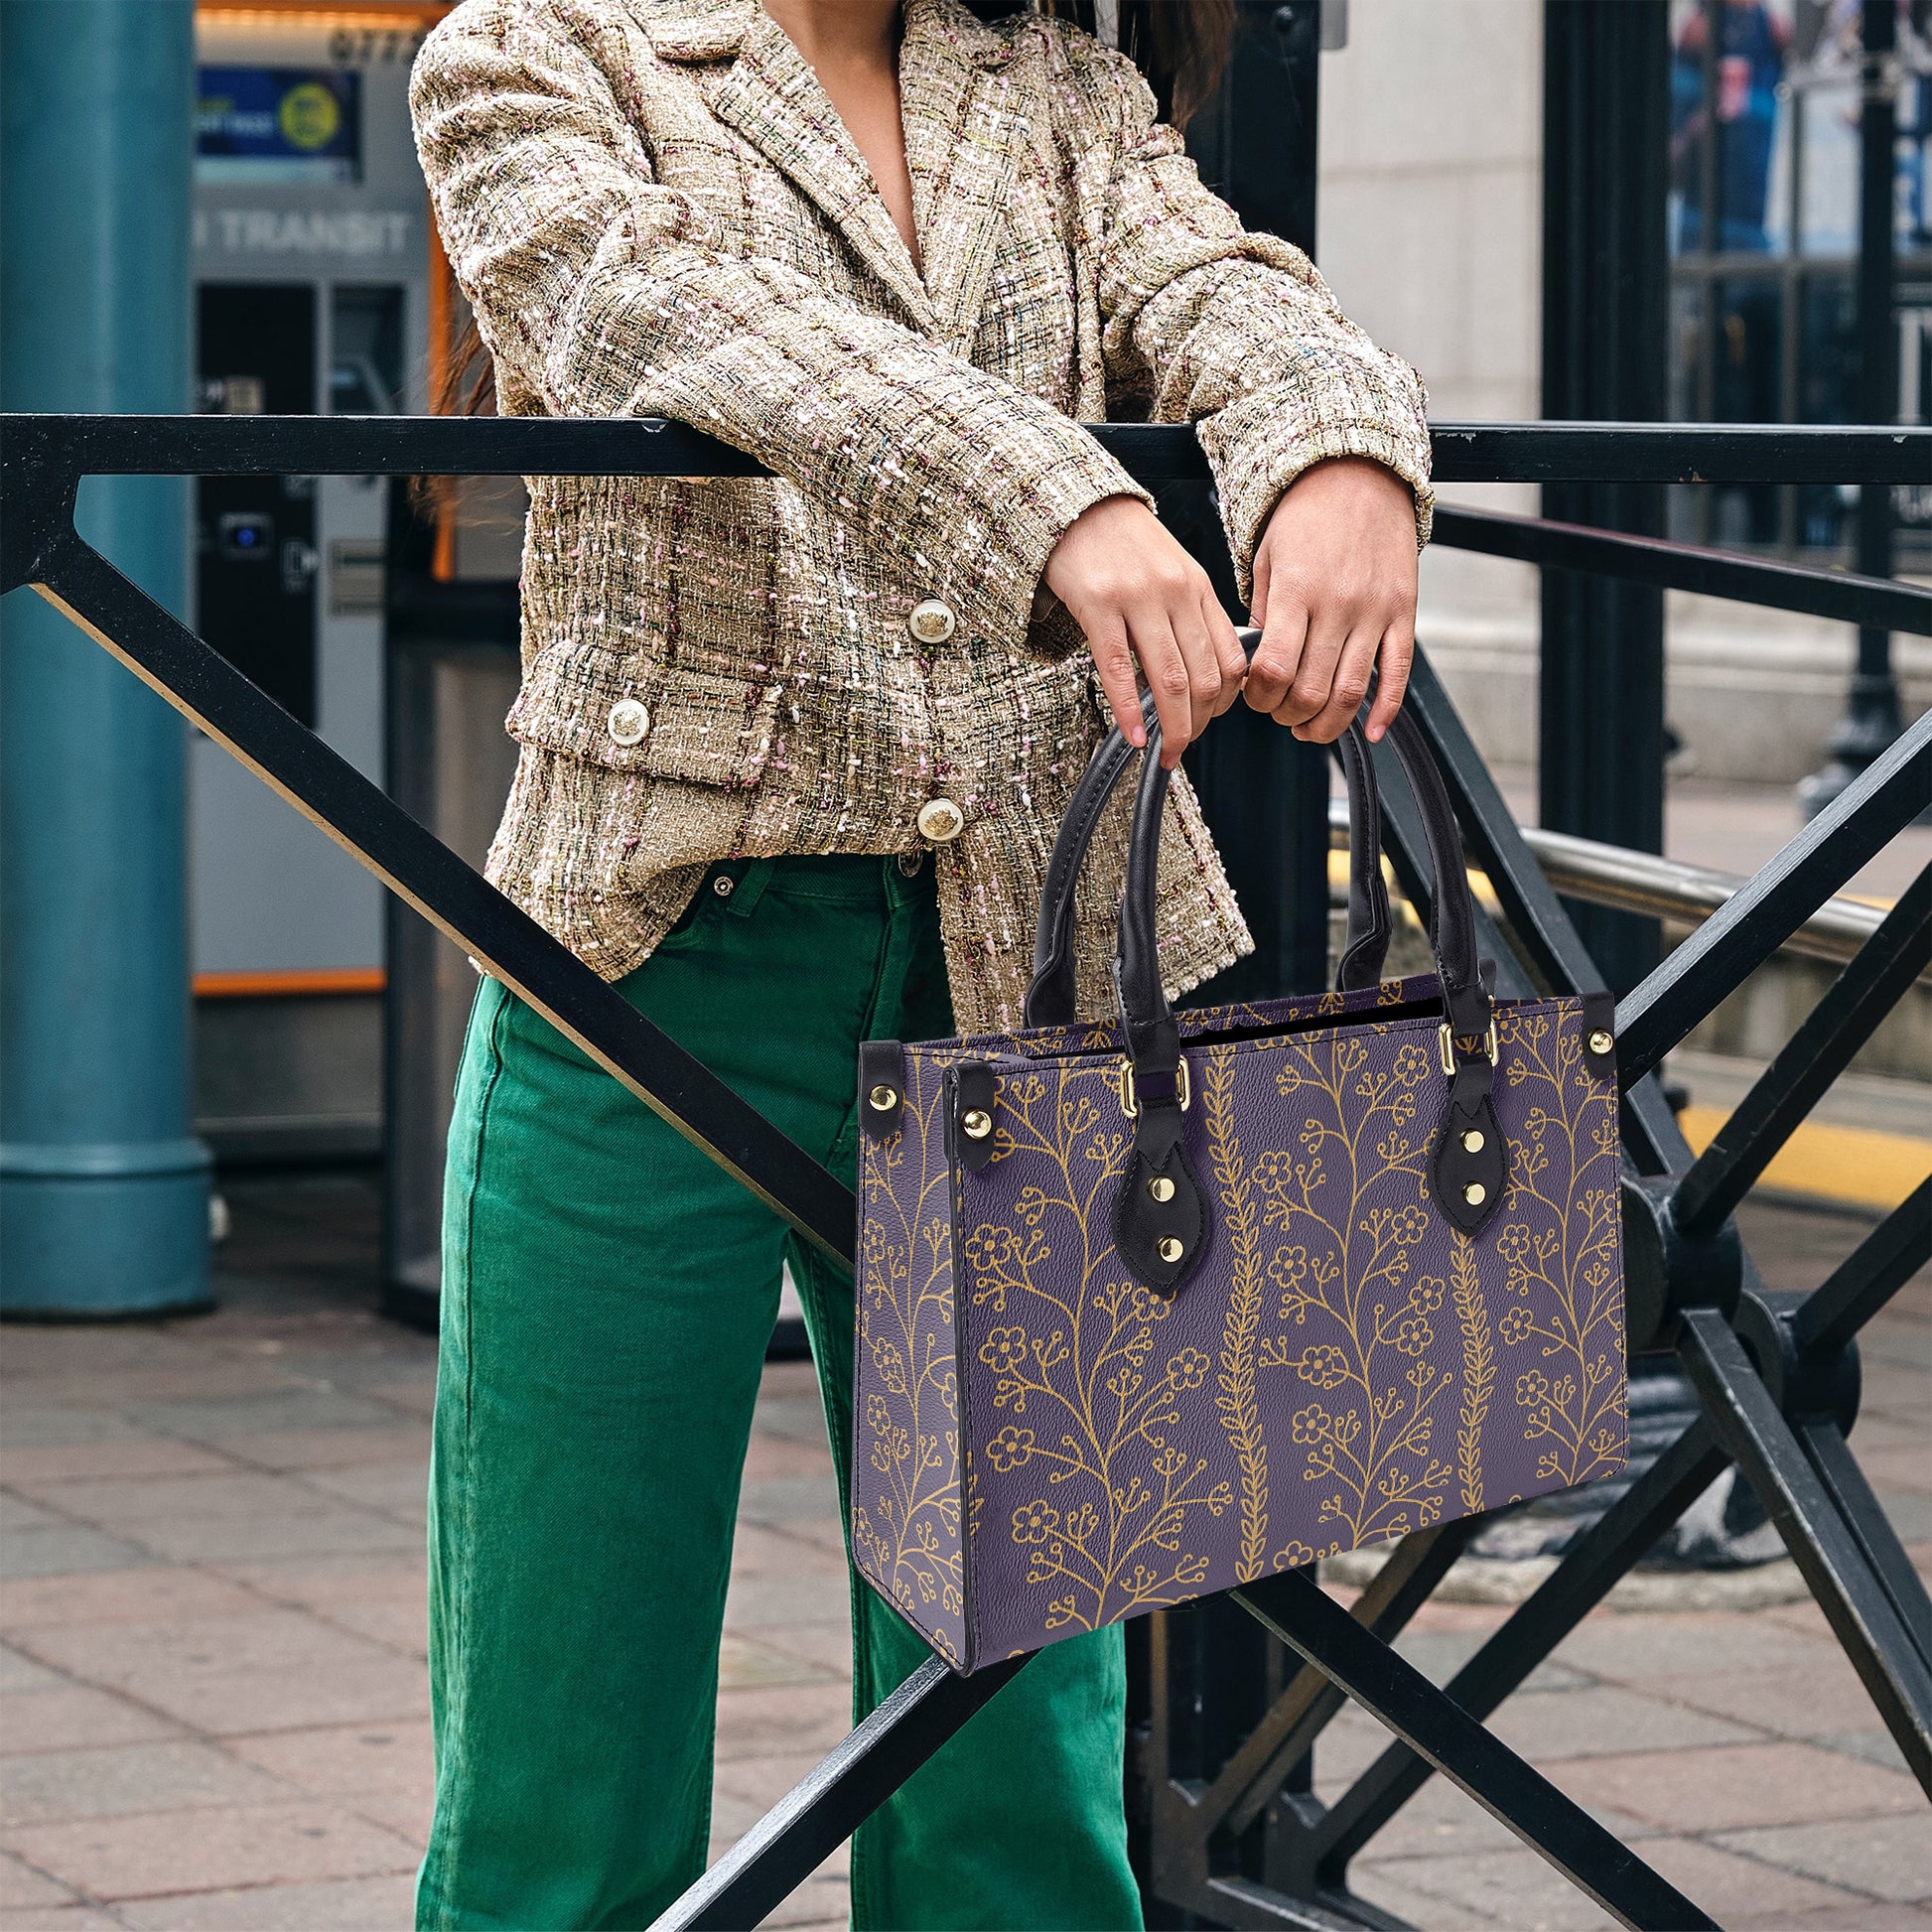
103, 1189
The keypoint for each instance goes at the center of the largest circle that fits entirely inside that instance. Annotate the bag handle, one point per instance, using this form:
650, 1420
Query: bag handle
1053, 997
1465, 999
1160, 1218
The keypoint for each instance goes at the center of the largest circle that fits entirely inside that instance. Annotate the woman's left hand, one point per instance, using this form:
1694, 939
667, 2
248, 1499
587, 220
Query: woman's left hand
1335, 595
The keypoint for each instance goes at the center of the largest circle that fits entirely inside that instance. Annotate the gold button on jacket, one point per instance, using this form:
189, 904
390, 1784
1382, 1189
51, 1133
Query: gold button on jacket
940, 820
932, 622
653, 209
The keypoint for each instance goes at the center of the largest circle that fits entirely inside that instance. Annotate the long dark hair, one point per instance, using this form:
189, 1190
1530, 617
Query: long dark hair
1181, 46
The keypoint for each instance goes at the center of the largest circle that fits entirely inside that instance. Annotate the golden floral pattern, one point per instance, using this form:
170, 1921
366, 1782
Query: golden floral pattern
1343, 1368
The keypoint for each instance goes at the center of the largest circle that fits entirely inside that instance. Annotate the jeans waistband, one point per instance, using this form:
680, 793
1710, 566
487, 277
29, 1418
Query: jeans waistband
838, 877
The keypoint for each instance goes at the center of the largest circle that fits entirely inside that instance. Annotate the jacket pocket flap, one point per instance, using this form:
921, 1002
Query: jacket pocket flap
707, 727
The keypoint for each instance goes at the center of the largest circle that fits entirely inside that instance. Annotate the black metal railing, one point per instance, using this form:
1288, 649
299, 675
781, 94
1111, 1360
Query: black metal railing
1776, 1376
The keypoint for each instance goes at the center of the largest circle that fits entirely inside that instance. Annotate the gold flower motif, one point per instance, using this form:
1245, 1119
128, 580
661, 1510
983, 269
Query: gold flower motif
1004, 1349
1321, 1363
1035, 1523
1188, 1369
1516, 1325
1410, 1337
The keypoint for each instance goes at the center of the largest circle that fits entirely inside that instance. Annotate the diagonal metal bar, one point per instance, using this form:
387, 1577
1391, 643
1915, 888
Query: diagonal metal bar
1735, 940
1553, 1824
1835, 593
1815, 1056
1290, 1726
806, 1826
376, 832
1859, 1609
1844, 1482
1593, 1564
1868, 1278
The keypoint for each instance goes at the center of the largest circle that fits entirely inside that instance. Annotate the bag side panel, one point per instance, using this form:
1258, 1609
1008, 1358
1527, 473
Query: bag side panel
1344, 1366
905, 1451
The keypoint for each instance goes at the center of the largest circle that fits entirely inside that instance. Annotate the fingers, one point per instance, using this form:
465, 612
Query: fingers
1206, 674
1140, 598
1233, 660
1168, 677
1347, 686
1398, 654
1114, 662
1314, 674
1284, 638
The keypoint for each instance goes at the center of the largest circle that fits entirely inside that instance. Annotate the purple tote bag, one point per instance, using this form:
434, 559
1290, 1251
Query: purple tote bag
1157, 1305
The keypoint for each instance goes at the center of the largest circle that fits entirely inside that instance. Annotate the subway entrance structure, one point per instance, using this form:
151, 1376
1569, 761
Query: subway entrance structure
1242, 1840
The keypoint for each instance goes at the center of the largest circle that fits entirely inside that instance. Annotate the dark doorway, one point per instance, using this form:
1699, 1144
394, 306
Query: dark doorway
256, 536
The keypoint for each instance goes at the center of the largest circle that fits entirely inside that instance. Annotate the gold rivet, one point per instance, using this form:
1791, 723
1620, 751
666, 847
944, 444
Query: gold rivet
1476, 1193
1600, 1042
1170, 1247
977, 1124
884, 1099
1161, 1189
1473, 1140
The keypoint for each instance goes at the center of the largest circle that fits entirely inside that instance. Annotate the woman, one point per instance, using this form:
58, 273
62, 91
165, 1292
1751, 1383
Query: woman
793, 753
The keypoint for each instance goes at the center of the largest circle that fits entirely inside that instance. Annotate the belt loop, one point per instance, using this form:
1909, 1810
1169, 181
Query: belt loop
902, 885
750, 889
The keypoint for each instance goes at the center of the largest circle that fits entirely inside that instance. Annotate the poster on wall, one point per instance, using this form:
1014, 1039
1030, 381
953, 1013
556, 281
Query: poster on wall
258, 126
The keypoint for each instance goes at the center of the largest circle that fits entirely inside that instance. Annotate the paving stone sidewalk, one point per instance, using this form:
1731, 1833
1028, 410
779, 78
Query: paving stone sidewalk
213, 1714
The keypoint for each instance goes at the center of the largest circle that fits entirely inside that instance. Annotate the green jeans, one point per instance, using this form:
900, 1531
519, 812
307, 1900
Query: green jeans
606, 1298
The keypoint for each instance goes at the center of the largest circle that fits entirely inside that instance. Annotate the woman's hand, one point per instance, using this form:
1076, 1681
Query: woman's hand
1335, 592
1137, 595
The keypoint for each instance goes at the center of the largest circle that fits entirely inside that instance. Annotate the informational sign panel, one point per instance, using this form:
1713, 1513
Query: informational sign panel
260, 125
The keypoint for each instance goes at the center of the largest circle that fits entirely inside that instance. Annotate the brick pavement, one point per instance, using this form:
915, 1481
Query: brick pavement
212, 1711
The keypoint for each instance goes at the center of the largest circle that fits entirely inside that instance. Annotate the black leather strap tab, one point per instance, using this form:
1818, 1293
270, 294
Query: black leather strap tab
1600, 1023
972, 1114
1159, 1165
1469, 1168
881, 1087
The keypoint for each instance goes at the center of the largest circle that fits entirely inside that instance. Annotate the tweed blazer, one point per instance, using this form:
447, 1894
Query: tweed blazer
655, 209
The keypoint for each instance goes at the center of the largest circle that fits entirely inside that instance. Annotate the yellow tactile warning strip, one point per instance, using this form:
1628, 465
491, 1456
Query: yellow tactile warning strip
1856, 1166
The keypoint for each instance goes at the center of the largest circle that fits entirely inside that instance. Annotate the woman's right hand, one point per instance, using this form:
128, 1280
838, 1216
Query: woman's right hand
1140, 597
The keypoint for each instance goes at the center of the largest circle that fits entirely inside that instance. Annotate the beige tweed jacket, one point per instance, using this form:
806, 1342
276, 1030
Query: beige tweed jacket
655, 209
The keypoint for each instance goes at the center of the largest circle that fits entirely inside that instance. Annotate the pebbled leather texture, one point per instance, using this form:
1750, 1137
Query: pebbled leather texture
882, 1065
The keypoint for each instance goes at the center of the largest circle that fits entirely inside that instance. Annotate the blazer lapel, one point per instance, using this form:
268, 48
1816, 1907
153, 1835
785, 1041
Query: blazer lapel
964, 111
772, 98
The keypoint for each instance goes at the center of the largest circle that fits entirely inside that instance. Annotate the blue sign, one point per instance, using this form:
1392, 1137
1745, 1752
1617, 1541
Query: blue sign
278, 124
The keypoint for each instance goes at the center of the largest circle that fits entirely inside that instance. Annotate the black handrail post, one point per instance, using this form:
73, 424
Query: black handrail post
1872, 718
1606, 279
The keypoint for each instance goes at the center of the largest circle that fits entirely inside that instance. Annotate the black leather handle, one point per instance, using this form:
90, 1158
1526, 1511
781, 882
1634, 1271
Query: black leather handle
1143, 1004
1051, 997
1366, 948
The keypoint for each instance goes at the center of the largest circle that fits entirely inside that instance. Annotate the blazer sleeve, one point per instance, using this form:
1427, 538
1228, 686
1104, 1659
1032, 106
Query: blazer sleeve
604, 293
1236, 332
